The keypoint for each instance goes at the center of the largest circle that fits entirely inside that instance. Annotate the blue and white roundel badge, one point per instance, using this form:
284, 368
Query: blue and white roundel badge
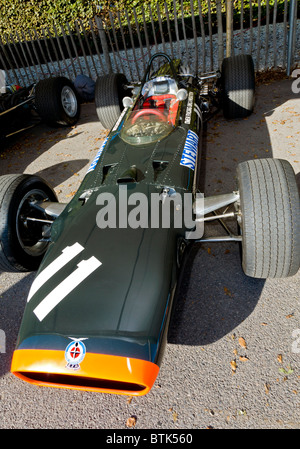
75, 353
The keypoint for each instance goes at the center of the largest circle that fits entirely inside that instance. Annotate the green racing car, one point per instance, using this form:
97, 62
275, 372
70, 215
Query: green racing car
108, 262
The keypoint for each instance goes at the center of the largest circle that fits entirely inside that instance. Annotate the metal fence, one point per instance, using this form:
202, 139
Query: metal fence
124, 42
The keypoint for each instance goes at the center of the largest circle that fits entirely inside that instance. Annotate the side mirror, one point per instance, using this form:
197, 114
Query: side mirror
182, 94
127, 102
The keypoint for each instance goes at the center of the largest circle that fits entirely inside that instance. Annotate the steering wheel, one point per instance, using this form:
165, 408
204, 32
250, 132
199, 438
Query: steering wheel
156, 112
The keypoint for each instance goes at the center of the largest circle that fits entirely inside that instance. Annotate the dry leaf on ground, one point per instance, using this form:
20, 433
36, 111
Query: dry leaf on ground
131, 422
233, 365
242, 343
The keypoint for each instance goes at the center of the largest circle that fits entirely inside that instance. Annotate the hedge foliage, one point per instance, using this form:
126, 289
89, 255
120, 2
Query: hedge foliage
18, 15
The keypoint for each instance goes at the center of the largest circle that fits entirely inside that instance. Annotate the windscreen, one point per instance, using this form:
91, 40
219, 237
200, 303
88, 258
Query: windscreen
145, 126
154, 114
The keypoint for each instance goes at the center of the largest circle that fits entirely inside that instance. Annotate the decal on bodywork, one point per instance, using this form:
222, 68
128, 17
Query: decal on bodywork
189, 154
119, 120
75, 353
67, 254
97, 157
84, 269
189, 109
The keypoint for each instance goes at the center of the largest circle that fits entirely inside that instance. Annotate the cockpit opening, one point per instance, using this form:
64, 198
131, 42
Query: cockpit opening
154, 114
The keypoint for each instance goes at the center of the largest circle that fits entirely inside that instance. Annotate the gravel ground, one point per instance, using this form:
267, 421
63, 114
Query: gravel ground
222, 318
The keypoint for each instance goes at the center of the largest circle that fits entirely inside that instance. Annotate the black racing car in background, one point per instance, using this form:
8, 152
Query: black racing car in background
53, 101
98, 311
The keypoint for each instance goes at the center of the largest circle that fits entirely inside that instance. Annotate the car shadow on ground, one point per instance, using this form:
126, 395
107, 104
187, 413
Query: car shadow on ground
34, 150
214, 295
12, 304
298, 180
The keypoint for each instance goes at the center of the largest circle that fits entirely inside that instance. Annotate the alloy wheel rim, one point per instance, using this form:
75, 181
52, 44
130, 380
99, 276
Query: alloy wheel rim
69, 101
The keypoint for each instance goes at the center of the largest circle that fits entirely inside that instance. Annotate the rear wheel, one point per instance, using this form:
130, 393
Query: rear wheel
269, 218
23, 242
238, 86
57, 102
109, 93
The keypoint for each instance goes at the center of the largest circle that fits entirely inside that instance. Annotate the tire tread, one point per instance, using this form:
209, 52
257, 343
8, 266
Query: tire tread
270, 218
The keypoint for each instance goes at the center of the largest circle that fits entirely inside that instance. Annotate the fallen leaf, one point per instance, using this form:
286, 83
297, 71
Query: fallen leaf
279, 358
267, 388
242, 343
287, 371
233, 365
227, 291
243, 358
71, 194
131, 422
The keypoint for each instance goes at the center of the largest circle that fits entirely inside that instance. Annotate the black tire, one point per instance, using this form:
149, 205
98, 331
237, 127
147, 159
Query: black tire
109, 93
20, 249
238, 86
57, 102
269, 218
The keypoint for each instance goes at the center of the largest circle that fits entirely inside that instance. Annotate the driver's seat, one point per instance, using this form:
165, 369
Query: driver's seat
160, 93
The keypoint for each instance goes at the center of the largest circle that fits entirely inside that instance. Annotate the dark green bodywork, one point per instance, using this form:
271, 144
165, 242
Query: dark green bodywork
122, 307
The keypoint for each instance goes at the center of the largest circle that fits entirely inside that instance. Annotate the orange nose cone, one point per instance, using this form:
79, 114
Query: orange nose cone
95, 372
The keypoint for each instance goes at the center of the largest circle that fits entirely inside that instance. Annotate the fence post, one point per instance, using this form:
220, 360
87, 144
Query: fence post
291, 36
229, 5
220, 33
102, 36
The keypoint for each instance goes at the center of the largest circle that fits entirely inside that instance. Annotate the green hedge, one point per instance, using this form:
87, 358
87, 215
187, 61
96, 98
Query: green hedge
20, 15
17, 15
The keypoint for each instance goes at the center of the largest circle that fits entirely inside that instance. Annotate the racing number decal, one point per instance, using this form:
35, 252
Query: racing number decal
84, 269
67, 254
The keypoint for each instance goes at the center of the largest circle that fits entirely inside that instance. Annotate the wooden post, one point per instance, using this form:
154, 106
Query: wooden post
229, 18
291, 36
220, 33
103, 41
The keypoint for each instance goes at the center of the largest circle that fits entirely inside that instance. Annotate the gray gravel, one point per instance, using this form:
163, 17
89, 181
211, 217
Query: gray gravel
196, 387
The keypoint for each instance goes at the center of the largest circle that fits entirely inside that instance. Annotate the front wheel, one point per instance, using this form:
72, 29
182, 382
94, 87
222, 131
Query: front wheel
109, 93
238, 86
24, 229
57, 102
269, 218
